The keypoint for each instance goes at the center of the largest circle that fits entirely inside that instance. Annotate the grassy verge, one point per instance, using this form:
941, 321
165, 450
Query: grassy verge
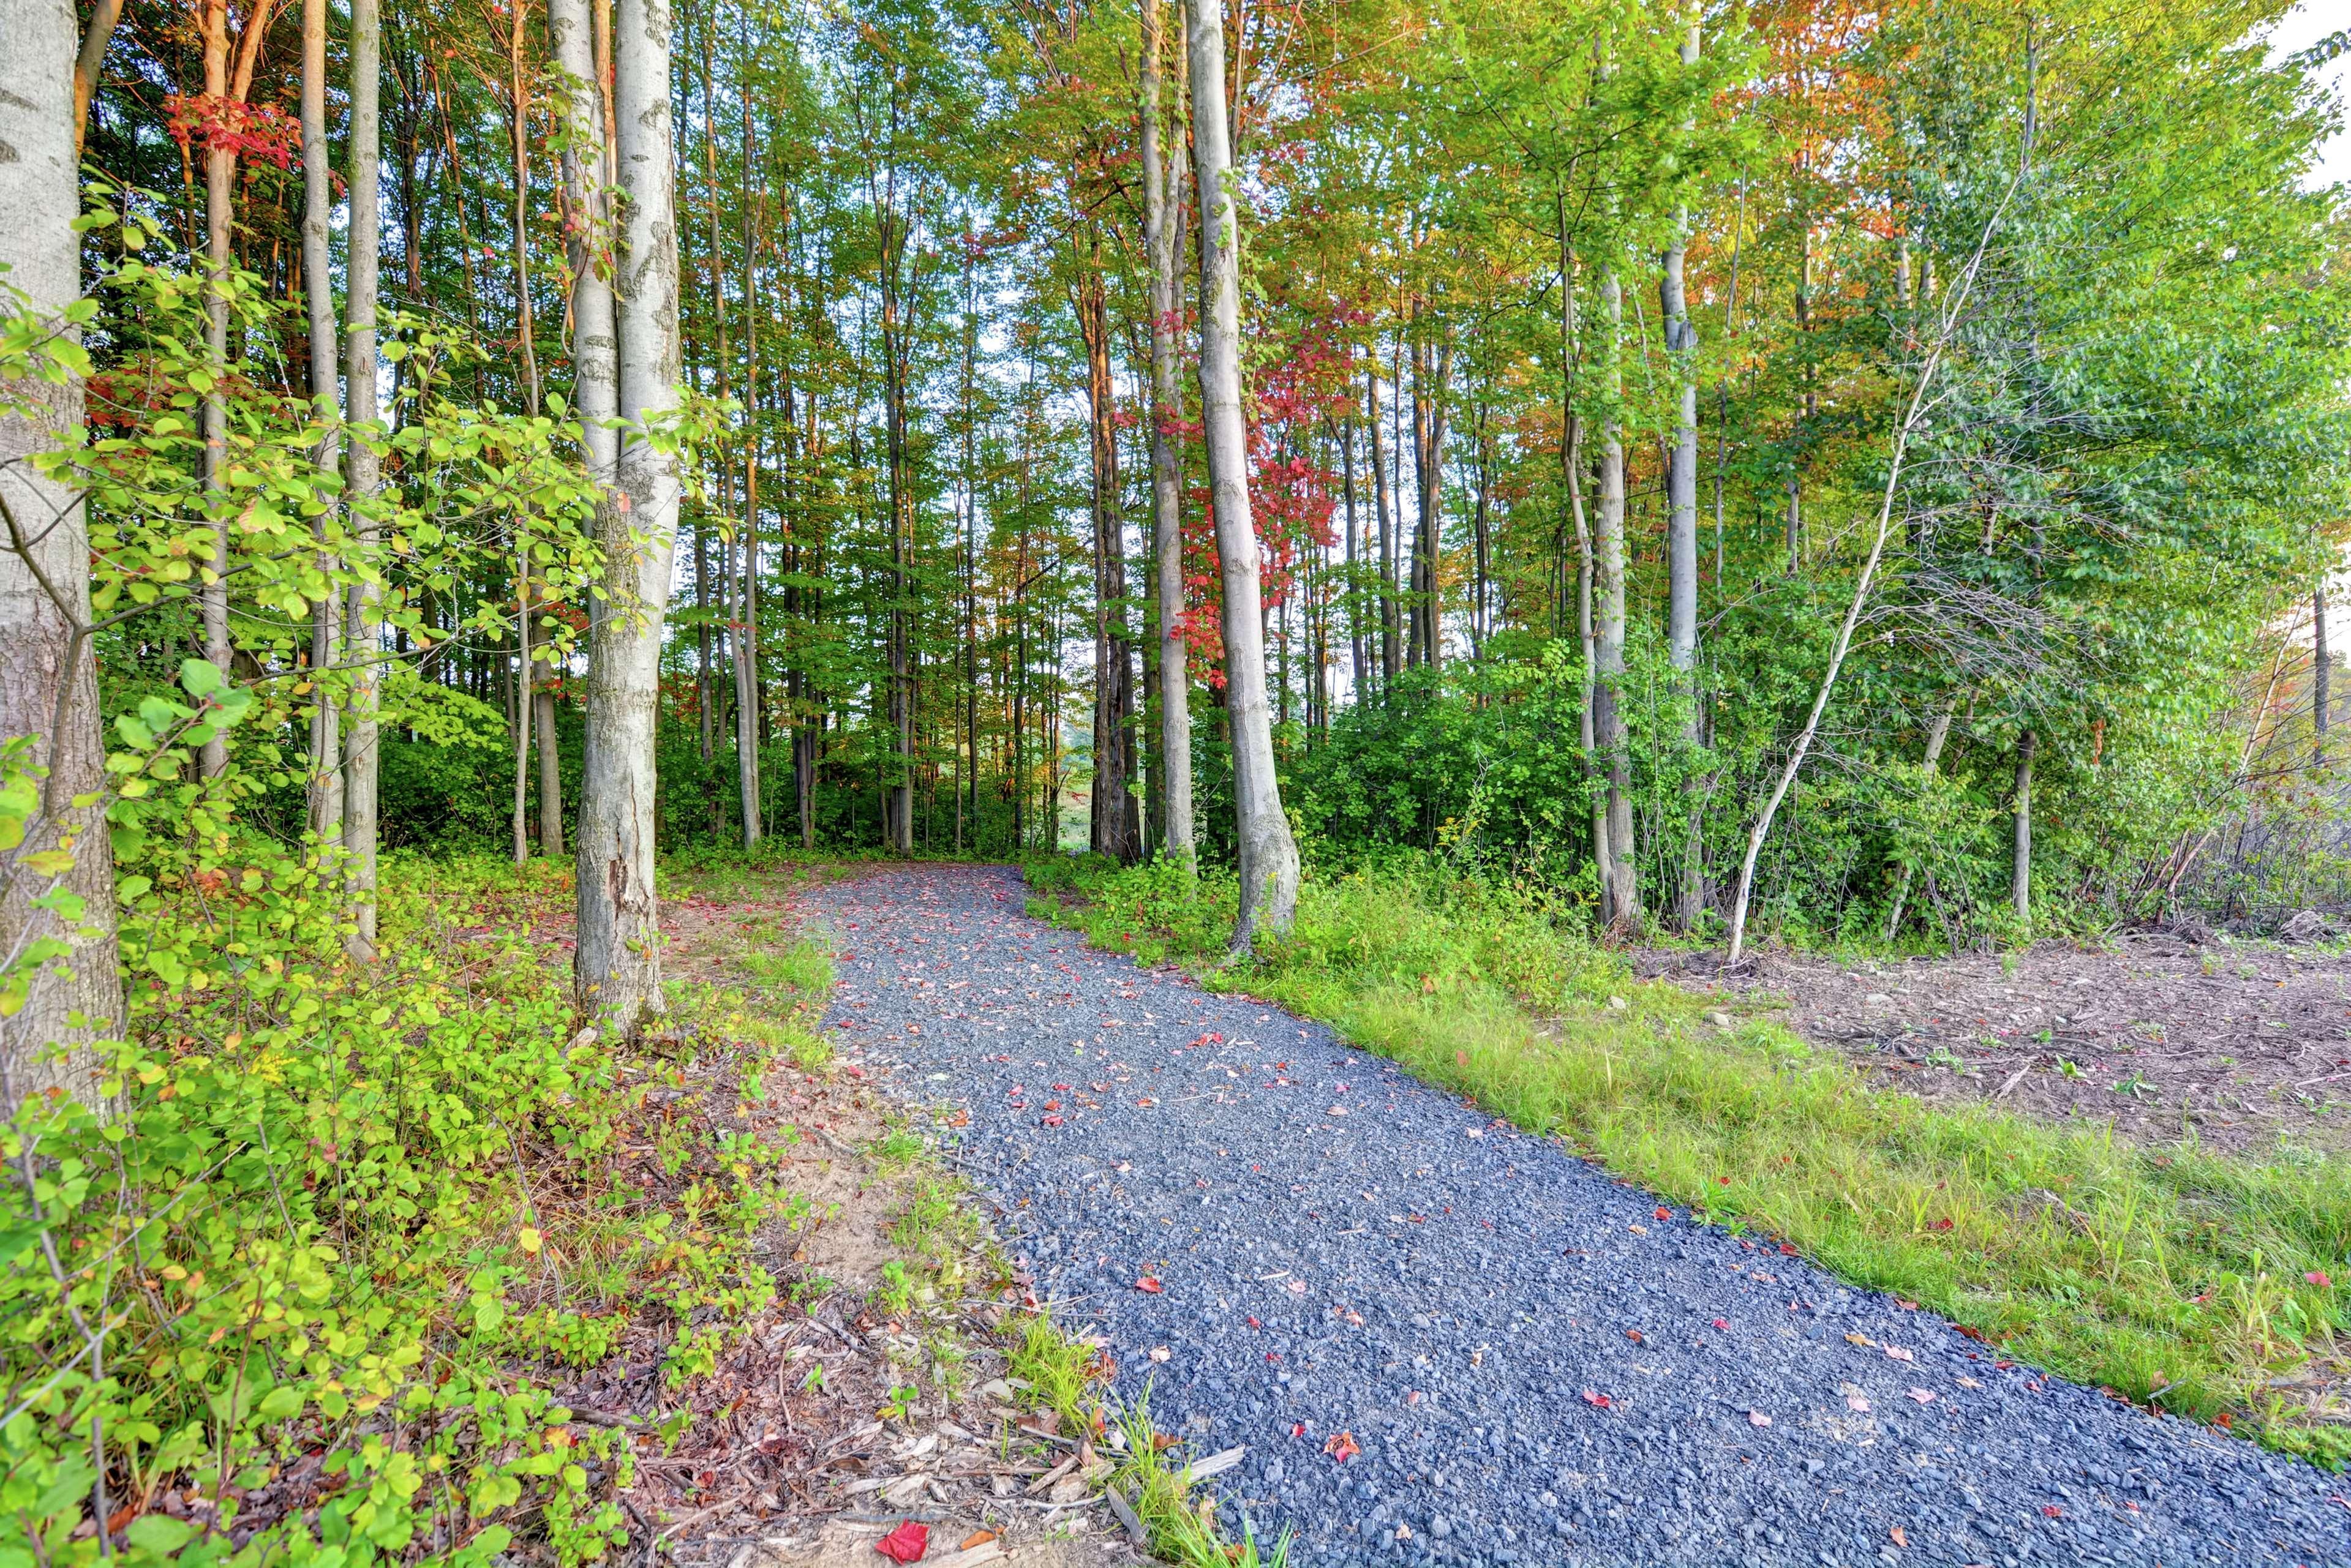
2204, 1286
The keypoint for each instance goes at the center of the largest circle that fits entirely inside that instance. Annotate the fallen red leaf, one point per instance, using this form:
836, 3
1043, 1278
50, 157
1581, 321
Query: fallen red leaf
1786, 1250
1054, 1121
1633, 1335
906, 1543
1149, 1284
2318, 1277
1298, 1429
1722, 1181
1664, 1213
1341, 1446
1723, 1323
2053, 1511
1899, 1539
1597, 1400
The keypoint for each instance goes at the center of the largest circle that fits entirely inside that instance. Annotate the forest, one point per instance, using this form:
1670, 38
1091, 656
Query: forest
1705, 477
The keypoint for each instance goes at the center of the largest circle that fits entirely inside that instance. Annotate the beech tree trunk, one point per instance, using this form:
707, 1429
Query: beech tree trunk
1268, 855
325, 780
1163, 239
48, 684
617, 962
1681, 524
362, 471
1622, 905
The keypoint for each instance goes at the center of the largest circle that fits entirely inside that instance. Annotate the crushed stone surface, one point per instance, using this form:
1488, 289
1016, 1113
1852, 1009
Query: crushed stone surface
1535, 1366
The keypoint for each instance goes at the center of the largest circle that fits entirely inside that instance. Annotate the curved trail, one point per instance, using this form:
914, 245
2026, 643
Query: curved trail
1537, 1368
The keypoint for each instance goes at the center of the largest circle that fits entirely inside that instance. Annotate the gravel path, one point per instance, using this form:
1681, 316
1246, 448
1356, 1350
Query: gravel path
1538, 1364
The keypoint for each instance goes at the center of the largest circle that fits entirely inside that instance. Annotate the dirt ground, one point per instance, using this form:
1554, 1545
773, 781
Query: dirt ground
2243, 1045
798, 1454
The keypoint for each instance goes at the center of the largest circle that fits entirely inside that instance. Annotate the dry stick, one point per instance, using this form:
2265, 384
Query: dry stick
1868, 570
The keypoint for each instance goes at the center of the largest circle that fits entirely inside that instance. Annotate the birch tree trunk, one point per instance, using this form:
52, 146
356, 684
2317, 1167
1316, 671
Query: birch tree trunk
1113, 825
1163, 239
362, 471
326, 779
617, 963
1268, 855
49, 685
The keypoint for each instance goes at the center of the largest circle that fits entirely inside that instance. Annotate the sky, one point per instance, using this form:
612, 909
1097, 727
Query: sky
2311, 21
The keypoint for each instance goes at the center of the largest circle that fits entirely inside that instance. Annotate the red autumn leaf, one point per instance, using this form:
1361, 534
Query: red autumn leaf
1722, 1181
1633, 1335
2318, 1277
1723, 1323
2053, 1511
1054, 1121
1253, 1323
1786, 1250
1149, 1284
906, 1543
1298, 1429
1899, 1539
1664, 1213
1597, 1400
1341, 1446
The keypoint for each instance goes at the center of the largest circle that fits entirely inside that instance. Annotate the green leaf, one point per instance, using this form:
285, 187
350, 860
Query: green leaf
159, 1533
200, 678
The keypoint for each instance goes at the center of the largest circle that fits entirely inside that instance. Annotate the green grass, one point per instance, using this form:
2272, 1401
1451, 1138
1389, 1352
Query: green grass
2178, 1278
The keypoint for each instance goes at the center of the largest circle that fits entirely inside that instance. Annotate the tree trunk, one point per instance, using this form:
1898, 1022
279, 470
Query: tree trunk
617, 964
2020, 876
1432, 373
550, 773
90, 62
1623, 901
1383, 500
326, 779
518, 90
524, 706
363, 472
1268, 855
1163, 239
2321, 673
1113, 815
220, 192
1682, 525
49, 685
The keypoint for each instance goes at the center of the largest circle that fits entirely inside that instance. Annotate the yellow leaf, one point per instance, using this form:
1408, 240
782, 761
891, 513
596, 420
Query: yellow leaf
529, 1239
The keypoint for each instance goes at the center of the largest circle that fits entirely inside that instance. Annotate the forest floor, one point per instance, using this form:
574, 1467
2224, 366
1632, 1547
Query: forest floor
1435, 1337
2242, 1045
871, 1391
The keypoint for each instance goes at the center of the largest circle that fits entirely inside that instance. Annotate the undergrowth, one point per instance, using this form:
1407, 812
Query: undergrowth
2200, 1284
302, 1295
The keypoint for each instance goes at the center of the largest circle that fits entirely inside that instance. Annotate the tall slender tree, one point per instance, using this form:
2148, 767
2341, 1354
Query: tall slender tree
1163, 239
48, 684
1269, 853
363, 475
617, 963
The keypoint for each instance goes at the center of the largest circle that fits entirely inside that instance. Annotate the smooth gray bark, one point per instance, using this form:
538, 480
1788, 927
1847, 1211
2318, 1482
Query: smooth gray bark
1268, 854
2019, 872
595, 396
1163, 239
49, 685
617, 961
363, 469
1622, 903
325, 778
1681, 523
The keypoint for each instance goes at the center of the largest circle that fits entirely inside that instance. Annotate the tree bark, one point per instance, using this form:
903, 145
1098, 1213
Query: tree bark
2020, 876
1681, 524
362, 473
1623, 905
1112, 818
1268, 855
2321, 673
220, 193
1382, 501
1163, 236
551, 772
49, 685
1432, 374
90, 62
617, 963
325, 793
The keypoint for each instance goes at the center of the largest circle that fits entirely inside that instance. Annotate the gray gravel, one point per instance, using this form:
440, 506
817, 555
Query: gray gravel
1342, 1249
